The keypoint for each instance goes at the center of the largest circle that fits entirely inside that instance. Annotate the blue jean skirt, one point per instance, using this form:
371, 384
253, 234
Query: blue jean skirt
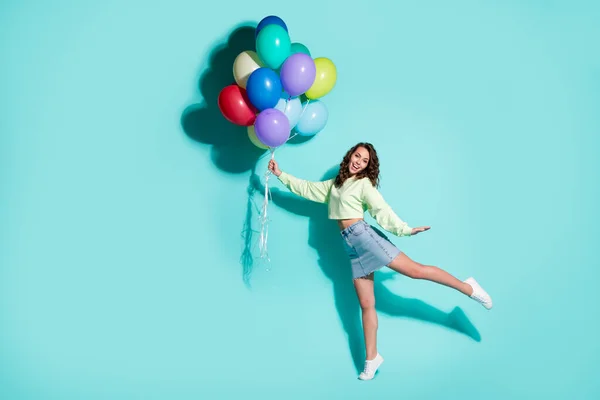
368, 249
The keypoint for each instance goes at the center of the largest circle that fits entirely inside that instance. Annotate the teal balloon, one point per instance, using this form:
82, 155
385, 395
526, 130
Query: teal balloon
273, 45
299, 48
313, 118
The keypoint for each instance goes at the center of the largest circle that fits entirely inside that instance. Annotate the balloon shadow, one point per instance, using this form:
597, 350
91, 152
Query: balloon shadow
324, 237
232, 151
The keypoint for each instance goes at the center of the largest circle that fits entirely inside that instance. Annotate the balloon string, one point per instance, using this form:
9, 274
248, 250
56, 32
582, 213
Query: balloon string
264, 218
291, 137
287, 101
304, 108
301, 114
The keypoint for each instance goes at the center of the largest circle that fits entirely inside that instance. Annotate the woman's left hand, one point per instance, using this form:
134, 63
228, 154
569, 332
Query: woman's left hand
420, 229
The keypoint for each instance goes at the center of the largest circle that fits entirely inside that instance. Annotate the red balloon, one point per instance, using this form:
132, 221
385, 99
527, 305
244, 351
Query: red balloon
236, 107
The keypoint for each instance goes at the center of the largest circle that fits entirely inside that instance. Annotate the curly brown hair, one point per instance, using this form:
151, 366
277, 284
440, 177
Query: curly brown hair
371, 171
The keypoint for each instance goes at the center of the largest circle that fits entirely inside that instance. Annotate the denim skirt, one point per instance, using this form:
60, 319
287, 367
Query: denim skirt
368, 249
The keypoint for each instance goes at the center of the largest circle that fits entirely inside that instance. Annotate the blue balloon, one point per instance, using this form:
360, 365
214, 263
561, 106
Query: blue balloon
271, 19
264, 88
292, 108
313, 118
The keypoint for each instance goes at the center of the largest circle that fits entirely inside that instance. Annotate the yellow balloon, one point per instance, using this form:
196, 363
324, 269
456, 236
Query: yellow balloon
254, 139
325, 79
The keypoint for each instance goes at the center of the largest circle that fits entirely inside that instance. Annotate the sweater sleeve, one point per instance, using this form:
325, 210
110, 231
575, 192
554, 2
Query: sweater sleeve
384, 215
314, 191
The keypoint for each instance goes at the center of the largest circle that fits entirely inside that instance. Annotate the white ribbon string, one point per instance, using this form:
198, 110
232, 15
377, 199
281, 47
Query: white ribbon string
264, 218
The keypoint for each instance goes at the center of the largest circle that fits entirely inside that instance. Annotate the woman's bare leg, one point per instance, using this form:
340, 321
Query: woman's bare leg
404, 265
366, 298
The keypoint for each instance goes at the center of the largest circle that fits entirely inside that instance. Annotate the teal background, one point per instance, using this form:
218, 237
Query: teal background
128, 210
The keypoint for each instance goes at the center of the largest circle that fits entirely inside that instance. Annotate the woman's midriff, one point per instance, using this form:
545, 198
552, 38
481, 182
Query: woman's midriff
344, 223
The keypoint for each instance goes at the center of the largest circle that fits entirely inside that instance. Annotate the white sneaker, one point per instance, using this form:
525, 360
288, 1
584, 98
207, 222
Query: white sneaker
371, 367
479, 294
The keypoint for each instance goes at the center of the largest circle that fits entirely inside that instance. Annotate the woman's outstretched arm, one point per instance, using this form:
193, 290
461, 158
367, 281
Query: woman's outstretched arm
314, 191
384, 215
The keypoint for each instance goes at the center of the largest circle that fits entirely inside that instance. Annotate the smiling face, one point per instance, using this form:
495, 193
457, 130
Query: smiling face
358, 160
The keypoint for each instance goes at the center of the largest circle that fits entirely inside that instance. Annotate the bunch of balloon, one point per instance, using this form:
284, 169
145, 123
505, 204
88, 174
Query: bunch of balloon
267, 97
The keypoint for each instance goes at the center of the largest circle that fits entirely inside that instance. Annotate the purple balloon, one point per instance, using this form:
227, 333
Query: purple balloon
298, 73
272, 127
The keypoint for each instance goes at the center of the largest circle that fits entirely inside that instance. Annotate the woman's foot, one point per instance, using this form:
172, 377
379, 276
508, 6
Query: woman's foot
479, 295
371, 367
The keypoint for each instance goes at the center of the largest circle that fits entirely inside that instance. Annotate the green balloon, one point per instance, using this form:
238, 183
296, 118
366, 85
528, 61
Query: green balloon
299, 48
273, 45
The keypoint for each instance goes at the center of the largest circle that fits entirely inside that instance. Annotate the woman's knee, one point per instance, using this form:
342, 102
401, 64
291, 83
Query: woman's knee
367, 303
364, 290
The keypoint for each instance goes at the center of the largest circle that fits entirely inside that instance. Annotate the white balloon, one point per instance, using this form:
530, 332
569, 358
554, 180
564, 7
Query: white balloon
245, 63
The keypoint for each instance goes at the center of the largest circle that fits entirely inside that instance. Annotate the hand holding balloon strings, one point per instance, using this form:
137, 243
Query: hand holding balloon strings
266, 95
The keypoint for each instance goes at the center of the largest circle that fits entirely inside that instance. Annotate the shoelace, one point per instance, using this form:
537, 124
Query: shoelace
368, 368
479, 297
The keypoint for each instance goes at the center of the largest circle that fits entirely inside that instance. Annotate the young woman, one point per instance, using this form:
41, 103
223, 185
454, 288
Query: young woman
352, 192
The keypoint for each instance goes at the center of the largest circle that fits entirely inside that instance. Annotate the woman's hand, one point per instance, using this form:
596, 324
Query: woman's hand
274, 168
420, 229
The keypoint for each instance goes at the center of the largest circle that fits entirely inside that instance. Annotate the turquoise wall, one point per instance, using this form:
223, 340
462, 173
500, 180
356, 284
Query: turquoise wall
128, 210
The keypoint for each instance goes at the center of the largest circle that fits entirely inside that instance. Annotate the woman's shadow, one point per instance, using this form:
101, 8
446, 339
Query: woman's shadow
232, 151
324, 237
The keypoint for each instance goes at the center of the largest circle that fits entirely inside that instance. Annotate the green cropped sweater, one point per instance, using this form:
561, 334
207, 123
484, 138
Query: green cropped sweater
349, 201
